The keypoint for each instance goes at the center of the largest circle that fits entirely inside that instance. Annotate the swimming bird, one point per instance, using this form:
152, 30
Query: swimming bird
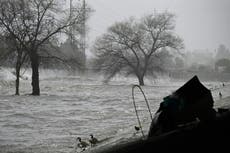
220, 95
93, 140
137, 128
82, 144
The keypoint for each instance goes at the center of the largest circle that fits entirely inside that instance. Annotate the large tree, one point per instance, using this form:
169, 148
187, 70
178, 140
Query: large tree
33, 23
132, 46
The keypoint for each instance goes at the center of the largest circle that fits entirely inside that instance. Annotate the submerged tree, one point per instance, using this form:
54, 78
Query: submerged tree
21, 56
132, 46
34, 22
12, 53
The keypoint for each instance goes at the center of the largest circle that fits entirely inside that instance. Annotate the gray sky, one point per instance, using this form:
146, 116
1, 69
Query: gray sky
203, 24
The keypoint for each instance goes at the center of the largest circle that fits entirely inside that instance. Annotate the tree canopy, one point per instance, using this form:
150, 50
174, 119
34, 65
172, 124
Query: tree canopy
133, 46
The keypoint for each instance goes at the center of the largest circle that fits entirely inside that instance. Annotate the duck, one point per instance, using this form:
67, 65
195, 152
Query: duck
220, 95
137, 128
82, 144
93, 141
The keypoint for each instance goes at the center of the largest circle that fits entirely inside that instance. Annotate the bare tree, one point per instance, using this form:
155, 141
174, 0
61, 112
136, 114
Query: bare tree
21, 57
34, 22
131, 46
13, 53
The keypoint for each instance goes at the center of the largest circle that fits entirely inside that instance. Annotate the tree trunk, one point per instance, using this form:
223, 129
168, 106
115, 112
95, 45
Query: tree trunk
17, 69
35, 74
141, 80
17, 78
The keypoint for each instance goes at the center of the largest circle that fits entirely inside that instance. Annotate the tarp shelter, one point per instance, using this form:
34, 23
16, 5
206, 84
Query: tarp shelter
190, 102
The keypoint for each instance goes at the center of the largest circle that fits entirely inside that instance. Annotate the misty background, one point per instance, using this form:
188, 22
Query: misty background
203, 24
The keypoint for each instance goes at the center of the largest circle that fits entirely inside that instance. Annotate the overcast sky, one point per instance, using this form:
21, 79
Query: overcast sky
203, 24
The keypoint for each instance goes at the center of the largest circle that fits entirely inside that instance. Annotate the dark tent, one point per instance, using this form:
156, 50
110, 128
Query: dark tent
191, 102
194, 92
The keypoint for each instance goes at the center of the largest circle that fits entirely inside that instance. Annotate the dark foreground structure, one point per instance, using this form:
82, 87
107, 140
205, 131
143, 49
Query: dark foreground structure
210, 133
203, 137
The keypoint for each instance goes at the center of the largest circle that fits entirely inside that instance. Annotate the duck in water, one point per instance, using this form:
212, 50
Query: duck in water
93, 141
137, 128
82, 144
220, 95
